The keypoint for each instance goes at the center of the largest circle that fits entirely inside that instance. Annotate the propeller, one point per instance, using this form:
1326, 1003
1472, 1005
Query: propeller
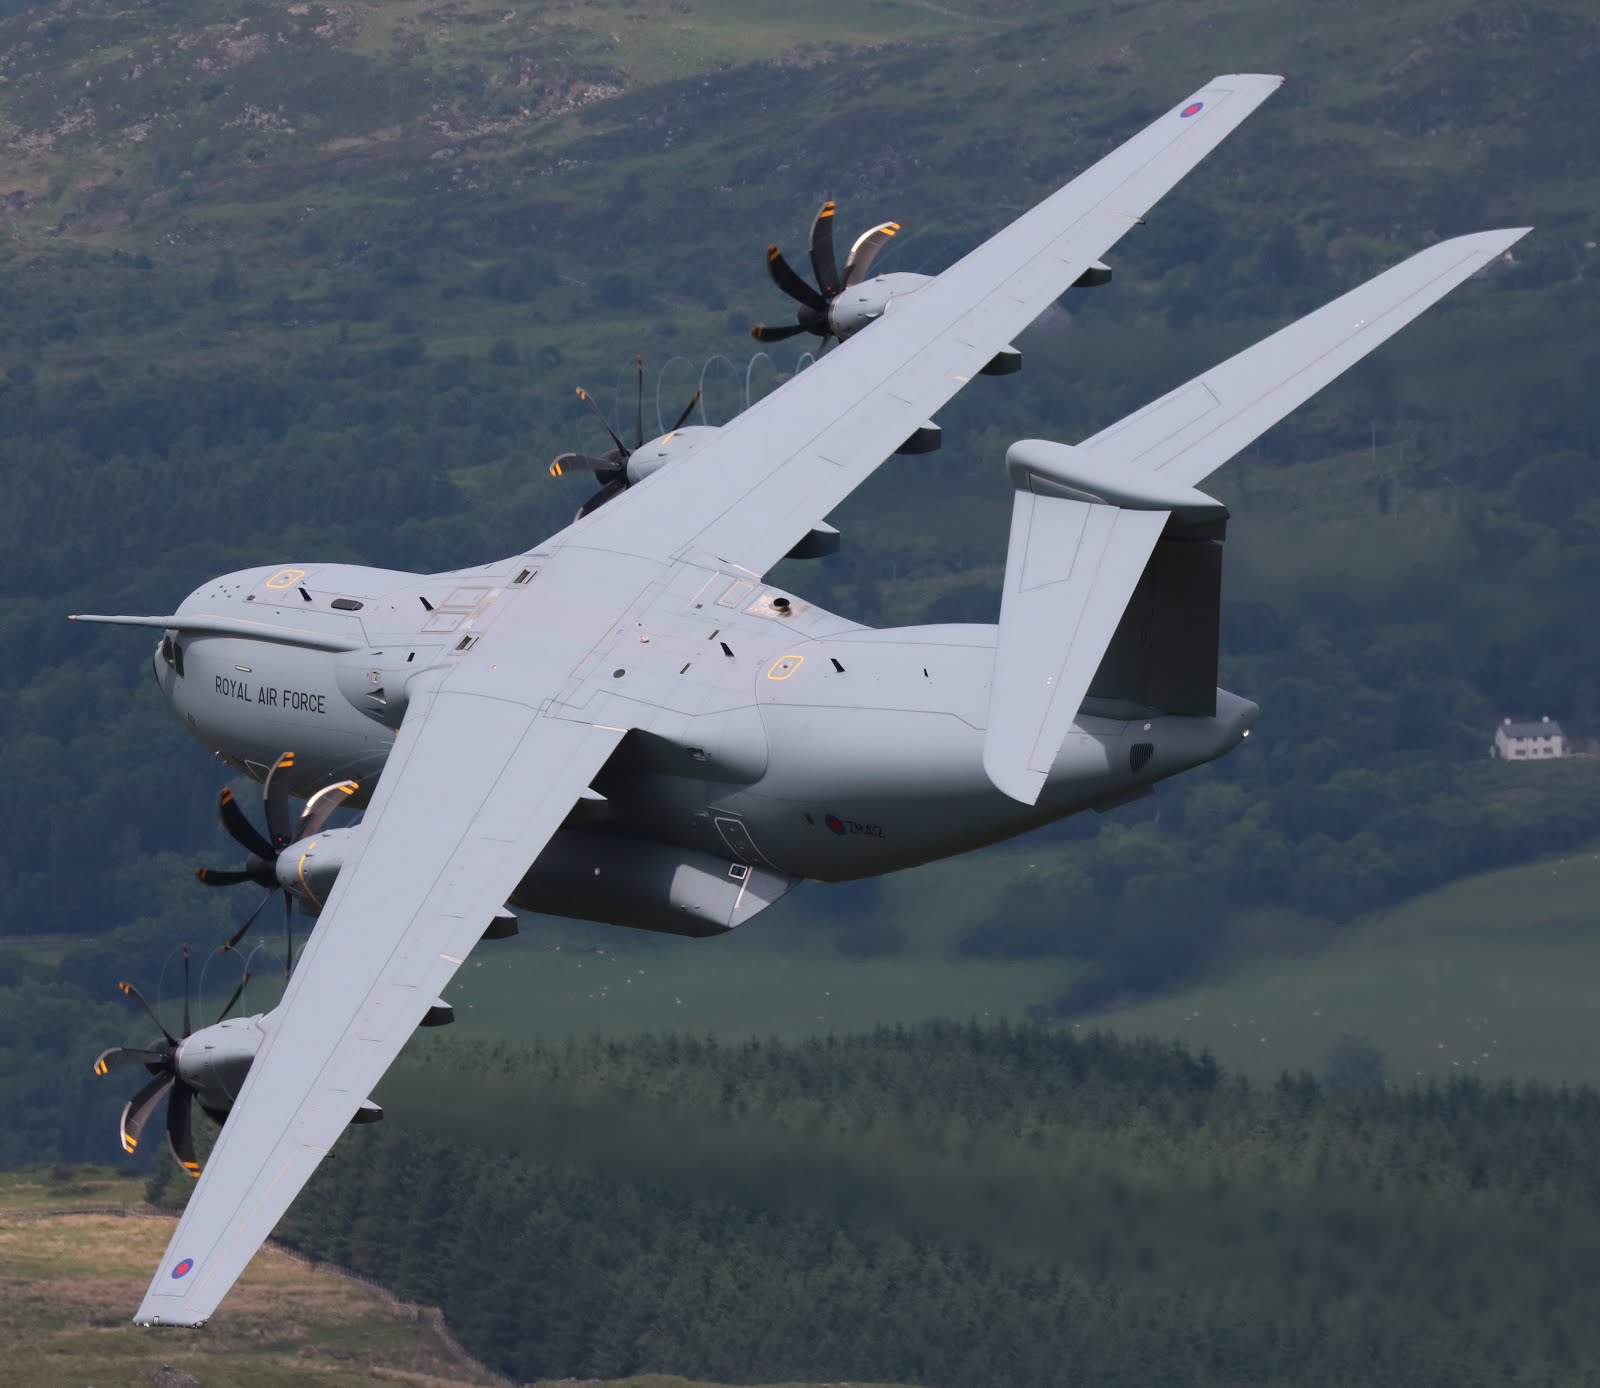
611, 468
265, 849
160, 1058
816, 303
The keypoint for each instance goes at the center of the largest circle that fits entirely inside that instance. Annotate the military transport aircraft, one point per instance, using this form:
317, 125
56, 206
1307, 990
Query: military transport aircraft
628, 723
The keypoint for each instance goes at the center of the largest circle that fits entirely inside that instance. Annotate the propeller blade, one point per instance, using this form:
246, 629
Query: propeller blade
581, 462
134, 993
118, 1056
321, 805
638, 411
136, 1112
240, 829
865, 251
823, 260
188, 1026
239, 934
237, 994
588, 400
687, 411
180, 1127
791, 283
762, 333
611, 489
276, 796
288, 936
227, 877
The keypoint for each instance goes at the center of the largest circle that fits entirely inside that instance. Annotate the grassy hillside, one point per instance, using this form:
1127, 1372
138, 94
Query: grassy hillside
76, 1249
319, 280
973, 1205
1493, 975
76, 1246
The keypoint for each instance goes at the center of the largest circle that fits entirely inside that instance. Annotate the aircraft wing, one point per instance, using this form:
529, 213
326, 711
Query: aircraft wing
748, 495
1190, 432
475, 786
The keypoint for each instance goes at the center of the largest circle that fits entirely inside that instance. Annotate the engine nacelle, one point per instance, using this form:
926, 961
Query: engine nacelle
868, 301
680, 443
588, 875
214, 1061
306, 870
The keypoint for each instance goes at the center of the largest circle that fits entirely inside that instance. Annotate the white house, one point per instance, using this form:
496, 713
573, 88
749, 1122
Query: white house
1518, 740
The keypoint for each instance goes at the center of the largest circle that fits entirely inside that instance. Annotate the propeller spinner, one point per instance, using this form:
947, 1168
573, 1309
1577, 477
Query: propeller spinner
160, 1058
265, 849
816, 304
611, 469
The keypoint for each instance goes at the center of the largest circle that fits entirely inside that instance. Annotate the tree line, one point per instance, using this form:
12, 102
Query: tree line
963, 1204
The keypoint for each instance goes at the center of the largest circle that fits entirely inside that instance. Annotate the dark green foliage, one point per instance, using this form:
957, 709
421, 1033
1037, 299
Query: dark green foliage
971, 1205
335, 331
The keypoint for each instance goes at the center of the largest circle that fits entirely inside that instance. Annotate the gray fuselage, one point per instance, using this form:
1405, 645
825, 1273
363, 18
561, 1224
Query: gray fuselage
822, 749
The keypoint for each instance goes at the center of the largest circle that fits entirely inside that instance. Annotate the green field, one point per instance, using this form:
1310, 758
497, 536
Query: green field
781, 976
1497, 975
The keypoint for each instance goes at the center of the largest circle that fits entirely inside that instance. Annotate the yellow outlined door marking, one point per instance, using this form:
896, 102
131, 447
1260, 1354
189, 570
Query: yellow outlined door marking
784, 666
286, 578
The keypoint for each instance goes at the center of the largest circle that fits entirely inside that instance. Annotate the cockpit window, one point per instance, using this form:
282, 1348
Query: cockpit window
172, 653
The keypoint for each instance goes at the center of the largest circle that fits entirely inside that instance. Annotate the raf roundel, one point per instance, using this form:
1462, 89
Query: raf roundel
835, 823
1194, 108
183, 1268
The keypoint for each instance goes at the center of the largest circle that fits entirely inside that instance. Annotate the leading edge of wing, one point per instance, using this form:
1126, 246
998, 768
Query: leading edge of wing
474, 788
749, 494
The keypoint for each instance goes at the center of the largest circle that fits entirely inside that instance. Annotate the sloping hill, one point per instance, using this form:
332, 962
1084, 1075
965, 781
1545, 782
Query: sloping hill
1492, 976
76, 1246
76, 1249
318, 280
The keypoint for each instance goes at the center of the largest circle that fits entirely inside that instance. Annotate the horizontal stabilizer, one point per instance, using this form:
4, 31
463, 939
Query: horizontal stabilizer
1085, 520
